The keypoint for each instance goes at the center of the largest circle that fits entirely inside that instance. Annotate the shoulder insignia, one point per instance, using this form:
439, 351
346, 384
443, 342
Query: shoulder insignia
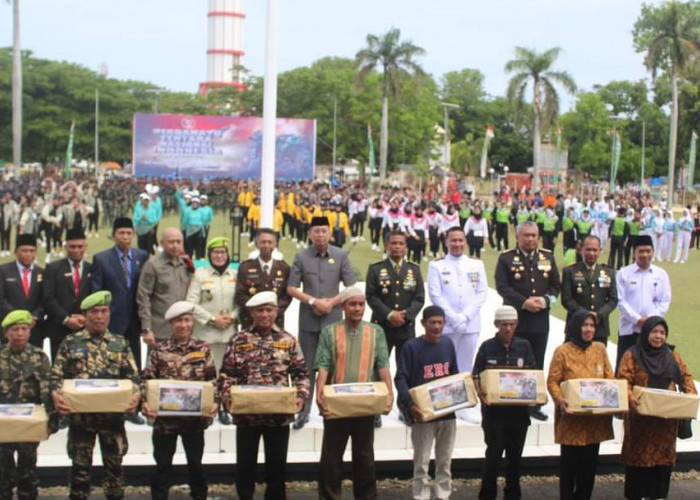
545, 250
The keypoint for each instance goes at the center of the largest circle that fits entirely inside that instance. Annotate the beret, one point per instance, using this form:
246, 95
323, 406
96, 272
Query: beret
178, 309
17, 317
218, 242
101, 298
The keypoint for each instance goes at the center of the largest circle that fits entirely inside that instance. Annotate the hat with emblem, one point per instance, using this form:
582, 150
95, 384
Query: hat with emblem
178, 309
101, 298
17, 317
350, 292
220, 242
506, 313
262, 299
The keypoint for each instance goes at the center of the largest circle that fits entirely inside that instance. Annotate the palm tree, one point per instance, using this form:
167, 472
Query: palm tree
531, 66
668, 34
395, 57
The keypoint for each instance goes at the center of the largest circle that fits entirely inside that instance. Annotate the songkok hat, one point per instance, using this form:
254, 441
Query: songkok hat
643, 240
506, 313
262, 299
319, 221
219, 242
178, 309
350, 292
28, 240
101, 298
432, 311
75, 234
122, 222
17, 317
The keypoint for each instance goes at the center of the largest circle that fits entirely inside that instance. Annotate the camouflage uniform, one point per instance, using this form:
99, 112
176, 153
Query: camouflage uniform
190, 361
82, 355
24, 378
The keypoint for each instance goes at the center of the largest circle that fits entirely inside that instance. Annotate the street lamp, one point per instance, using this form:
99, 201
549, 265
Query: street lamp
156, 92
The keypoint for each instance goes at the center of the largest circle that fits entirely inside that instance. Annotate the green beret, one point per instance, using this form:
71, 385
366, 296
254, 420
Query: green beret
101, 298
218, 243
17, 317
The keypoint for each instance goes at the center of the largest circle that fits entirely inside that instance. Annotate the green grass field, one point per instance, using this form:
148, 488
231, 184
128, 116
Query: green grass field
682, 317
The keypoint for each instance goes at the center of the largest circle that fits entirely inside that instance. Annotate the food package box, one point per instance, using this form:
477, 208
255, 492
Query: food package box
666, 404
597, 396
443, 396
180, 398
514, 387
360, 399
23, 423
263, 399
97, 395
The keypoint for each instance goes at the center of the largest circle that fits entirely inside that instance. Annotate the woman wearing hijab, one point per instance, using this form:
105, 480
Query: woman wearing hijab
211, 291
685, 232
649, 446
579, 435
476, 229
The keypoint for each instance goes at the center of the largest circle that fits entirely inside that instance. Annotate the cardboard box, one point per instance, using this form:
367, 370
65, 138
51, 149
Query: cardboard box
180, 398
356, 400
514, 387
666, 404
263, 400
597, 396
98, 395
23, 423
443, 396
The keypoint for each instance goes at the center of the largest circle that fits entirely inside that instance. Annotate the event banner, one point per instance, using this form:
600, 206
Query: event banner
210, 147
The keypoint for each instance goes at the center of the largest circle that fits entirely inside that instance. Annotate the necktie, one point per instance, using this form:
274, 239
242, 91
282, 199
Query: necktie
266, 268
125, 269
397, 268
25, 280
76, 278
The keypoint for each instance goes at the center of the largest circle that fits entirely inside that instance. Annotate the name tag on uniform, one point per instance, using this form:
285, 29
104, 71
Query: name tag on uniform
281, 345
68, 275
196, 355
243, 347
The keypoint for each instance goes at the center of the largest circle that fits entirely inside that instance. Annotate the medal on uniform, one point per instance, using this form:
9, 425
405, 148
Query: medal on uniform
517, 276
545, 274
579, 290
331, 261
279, 273
516, 259
275, 290
252, 290
385, 291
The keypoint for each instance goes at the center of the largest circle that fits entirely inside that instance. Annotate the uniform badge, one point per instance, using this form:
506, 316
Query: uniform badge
545, 274
521, 362
252, 290
517, 276
281, 345
579, 290
39, 278
331, 261
516, 259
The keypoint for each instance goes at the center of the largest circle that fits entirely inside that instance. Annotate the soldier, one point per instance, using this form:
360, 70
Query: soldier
92, 353
24, 372
179, 358
262, 274
590, 286
263, 355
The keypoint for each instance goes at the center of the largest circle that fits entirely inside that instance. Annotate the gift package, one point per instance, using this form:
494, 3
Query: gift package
360, 399
597, 396
513, 387
665, 404
97, 395
443, 396
263, 400
23, 423
180, 398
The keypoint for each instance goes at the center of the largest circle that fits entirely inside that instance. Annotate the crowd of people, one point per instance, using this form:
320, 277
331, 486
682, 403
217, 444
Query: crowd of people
227, 325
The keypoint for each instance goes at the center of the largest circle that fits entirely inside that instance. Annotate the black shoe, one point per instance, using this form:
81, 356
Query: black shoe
225, 418
300, 422
377, 421
537, 414
135, 418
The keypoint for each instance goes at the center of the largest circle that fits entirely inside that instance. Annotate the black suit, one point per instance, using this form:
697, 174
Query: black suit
60, 300
12, 297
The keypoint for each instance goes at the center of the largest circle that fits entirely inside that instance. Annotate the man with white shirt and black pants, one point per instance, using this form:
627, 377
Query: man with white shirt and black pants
643, 290
458, 285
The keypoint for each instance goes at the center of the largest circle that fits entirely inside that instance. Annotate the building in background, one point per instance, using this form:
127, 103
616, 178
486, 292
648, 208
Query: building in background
225, 45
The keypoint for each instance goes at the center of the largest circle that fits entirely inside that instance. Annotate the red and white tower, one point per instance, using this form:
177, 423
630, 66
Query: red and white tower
225, 45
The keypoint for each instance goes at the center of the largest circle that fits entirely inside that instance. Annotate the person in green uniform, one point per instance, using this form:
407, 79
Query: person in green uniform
584, 225
550, 224
634, 222
568, 227
619, 229
502, 219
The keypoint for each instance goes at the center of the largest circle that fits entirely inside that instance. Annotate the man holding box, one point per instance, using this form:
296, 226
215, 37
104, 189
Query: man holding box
423, 360
95, 353
179, 358
267, 356
25, 371
350, 351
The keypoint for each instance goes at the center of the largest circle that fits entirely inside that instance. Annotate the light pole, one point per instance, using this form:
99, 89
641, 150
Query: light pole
156, 92
644, 137
104, 71
335, 130
491, 172
16, 91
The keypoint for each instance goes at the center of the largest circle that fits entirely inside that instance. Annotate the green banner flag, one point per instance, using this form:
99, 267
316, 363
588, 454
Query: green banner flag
617, 149
690, 184
371, 161
67, 172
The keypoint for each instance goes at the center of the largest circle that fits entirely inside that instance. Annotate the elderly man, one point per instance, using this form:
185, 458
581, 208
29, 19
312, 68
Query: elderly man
365, 352
527, 279
505, 427
179, 358
164, 280
24, 378
263, 355
424, 359
320, 268
94, 353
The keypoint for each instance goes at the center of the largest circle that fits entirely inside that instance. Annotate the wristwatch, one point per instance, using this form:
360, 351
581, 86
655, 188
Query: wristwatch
311, 301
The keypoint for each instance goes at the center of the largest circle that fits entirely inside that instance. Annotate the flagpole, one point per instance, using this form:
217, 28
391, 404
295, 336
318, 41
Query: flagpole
267, 168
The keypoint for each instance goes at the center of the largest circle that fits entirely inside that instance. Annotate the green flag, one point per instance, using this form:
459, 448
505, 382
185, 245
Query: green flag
689, 186
371, 162
69, 152
617, 149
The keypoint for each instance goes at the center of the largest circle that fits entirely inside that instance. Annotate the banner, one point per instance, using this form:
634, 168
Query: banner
209, 147
690, 185
67, 172
615, 165
372, 162
485, 150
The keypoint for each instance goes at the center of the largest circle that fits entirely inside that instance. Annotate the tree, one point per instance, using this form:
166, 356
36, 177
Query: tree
528, 66
669, 35
396, 59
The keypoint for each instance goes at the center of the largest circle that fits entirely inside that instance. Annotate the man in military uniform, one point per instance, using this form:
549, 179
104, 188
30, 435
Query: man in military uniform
24, 378
527, 279
590, 286
95, 353
263, 355
262, 274
179, 358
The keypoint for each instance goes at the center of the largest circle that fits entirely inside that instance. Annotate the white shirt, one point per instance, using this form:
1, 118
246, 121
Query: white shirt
479, 226
641, 293
458, 285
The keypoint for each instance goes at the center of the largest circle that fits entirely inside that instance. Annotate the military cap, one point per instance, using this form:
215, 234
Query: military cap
506, 313
17, 317
178, 309
101, 298
28, 240
350, 292
218, 243
75, 234
319, 221
262, 299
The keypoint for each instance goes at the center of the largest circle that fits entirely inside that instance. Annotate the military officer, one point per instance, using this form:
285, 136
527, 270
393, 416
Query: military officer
263, 355
94, 353
262, 274
527, 279
24, 378
590, 286
179, 358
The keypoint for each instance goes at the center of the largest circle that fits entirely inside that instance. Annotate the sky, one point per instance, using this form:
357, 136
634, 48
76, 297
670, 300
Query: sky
165, 41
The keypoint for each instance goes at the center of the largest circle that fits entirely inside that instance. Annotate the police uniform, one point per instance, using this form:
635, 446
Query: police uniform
24, 378
252, 280
388, 291
592, 289
520, 276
